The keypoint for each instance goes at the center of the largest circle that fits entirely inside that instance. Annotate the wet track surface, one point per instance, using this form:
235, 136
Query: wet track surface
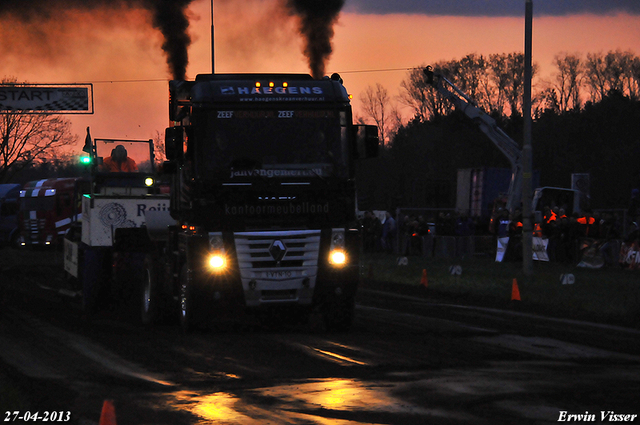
409, 359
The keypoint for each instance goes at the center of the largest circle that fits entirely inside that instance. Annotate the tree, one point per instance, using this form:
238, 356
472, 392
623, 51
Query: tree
616, 71
159, 148
507, 73
469, 73
416, 93
495, 84
376, 105
27, 138
567, 82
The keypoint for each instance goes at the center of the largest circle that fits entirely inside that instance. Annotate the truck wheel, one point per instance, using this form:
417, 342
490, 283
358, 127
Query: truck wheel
338, 315
95, 280
151, 293
188, 311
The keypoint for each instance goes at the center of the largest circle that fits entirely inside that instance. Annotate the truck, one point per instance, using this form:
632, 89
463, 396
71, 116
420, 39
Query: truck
509, 148
9, 205
102, 256
263, 196
47, 209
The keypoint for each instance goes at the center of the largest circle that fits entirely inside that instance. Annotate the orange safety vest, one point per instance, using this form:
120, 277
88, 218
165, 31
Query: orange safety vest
552, 217
537, 230
126, 166
584, 221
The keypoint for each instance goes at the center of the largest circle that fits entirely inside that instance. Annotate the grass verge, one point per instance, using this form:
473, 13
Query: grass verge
608, 295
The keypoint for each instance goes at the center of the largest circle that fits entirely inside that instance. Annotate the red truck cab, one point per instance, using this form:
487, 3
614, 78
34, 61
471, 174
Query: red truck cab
47, 209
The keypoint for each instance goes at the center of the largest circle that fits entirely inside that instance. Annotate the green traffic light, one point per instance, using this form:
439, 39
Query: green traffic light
85, 160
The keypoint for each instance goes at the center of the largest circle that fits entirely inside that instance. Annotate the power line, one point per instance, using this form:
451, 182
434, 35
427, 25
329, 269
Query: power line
164, 80
362, 71
148, 80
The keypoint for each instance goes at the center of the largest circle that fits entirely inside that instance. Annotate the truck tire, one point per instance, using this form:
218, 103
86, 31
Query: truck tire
95, 281
151, 293
338, 315
189, 314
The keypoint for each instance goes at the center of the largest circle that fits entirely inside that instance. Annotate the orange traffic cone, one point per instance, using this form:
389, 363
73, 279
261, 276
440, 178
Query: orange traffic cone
515, 292
108, 415
424, 281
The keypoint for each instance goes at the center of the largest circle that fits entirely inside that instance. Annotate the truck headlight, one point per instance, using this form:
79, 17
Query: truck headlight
337, 253
217, 262
338, 257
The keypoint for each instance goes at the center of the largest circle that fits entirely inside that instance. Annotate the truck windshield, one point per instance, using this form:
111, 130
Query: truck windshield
37, 203
273, 143
129, 156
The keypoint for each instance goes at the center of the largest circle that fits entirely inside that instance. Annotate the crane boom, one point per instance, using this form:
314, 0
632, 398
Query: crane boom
507, 145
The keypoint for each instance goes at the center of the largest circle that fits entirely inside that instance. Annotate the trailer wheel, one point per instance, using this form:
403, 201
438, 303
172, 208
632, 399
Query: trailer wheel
338, 315
151, 293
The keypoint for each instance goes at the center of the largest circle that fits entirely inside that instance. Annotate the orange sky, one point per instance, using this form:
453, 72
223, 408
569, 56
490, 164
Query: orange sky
122, 57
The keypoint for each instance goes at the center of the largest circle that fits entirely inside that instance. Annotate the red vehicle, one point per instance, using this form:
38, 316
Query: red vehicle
47, 209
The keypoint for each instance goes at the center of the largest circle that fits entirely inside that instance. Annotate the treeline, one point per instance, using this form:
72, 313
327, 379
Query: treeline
586, 120
52, 167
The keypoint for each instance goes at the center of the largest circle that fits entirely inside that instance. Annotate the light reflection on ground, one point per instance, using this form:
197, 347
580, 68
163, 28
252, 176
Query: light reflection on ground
217, 407
498, 392
295, 403
334, 394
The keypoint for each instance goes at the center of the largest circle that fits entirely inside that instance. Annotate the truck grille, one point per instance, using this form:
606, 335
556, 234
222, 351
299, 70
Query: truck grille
34, 227
278, 266
302, 248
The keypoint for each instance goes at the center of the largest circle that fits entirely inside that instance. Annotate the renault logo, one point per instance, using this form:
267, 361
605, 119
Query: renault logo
277, 250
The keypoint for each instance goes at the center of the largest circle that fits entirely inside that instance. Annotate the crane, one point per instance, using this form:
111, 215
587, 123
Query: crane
506, 144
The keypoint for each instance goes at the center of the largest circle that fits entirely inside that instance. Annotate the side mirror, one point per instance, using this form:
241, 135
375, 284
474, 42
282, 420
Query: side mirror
173, 139
367, 142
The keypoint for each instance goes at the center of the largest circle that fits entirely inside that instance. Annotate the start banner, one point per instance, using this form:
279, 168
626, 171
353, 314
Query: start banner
50, 99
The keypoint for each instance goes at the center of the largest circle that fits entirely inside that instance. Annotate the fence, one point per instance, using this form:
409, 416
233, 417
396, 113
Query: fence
447, 246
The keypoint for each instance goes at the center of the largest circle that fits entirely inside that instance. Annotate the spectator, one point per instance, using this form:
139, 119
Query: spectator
609, 232
444, 225
564, 247
388, 233
634, 206
372, 232
630, 250
514, 248
465, 229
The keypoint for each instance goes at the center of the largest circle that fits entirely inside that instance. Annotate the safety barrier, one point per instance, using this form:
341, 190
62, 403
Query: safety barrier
450, 246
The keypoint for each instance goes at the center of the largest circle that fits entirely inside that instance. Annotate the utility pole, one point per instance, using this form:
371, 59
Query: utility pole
527, 225
213, 56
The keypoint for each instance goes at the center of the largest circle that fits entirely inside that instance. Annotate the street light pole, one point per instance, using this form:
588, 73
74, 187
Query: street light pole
213, 56
527, 226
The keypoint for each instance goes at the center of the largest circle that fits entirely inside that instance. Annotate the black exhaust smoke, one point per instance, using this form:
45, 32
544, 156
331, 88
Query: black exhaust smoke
168, 16
317, 19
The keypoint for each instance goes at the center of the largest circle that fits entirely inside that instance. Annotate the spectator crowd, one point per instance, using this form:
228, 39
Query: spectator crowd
591, 239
